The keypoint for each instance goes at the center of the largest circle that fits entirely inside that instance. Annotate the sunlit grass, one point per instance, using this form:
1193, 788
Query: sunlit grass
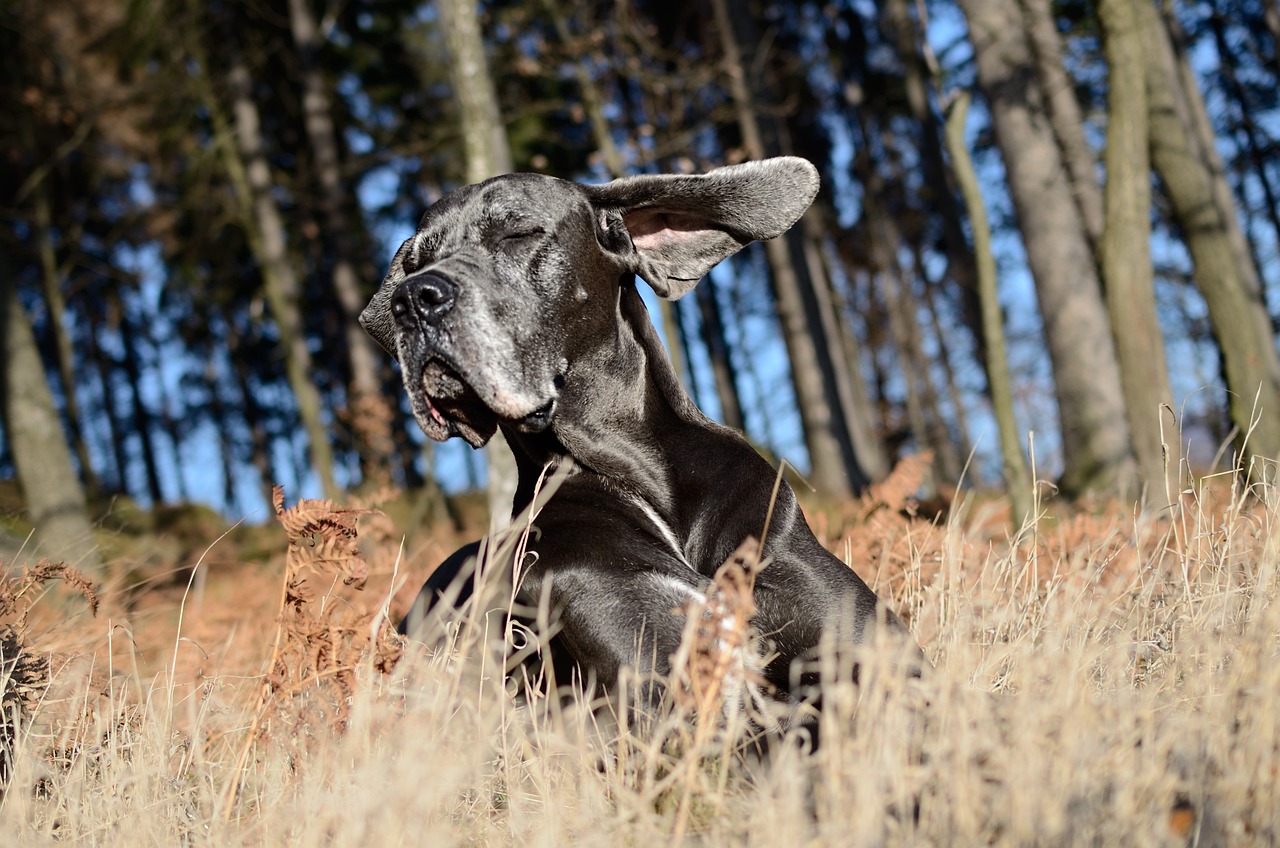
1110, 679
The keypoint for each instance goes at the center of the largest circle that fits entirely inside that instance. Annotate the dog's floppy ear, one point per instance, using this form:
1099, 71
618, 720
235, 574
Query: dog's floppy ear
681, 226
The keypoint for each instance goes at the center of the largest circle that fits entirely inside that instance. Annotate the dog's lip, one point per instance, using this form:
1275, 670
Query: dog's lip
444, 410
434, 411
540, 418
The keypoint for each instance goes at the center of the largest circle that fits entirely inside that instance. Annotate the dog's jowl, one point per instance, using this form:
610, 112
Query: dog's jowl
514, 307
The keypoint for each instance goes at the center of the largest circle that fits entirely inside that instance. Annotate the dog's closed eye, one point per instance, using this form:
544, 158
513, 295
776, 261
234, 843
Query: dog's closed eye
521, 235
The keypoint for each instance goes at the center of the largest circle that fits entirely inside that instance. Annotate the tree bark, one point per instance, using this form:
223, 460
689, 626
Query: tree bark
867, 443
142, 418
487, 153
865, 460
103, 364
1126, 256
923, 413
1095, 429
946, 358
1255, 146
56, 304
367, 404
836, 470
939, 186
55, 501
1017, 482
1065, 116
713, 337
250, 174
1191, 175
255, 418
1207, 140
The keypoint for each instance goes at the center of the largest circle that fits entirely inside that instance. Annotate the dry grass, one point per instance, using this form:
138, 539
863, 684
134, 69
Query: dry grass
1104, 679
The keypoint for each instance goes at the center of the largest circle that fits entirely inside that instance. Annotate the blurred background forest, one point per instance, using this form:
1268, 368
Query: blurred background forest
1057, 218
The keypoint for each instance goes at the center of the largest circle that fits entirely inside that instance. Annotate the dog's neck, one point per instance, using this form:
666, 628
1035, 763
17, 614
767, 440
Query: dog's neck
617, 399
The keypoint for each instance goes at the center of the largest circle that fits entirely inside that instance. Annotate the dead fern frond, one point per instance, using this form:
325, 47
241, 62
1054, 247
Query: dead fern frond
717, 669
886, 541
24, 674
17, 595
896, 492
372, 419
322, 638
716, 661
322, 536
24, 677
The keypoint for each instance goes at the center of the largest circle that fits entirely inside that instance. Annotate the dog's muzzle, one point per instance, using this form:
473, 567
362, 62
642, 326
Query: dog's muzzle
444, 400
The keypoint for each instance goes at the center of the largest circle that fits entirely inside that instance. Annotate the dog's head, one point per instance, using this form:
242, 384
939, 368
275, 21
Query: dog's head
486, 305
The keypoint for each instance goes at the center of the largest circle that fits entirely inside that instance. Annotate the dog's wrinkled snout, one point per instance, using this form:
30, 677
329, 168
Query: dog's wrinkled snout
422, 299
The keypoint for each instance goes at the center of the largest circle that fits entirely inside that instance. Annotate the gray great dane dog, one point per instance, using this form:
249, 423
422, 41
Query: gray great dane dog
514, 307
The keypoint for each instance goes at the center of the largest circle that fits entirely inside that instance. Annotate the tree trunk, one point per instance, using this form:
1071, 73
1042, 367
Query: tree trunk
945, 356
835, 468
939, 187
55, 501
738, 308
1271, 16
923, 412
1095, 429
52, 284
226, 448
255, 419
713, 337
1126, 256
1255, 147
143, 424
103, 365
1064, 114
367, 404
682, 348
1207, 140
1188, 171
867, 444
487, 152
171, 428
1017, 482
250, 174
865, 458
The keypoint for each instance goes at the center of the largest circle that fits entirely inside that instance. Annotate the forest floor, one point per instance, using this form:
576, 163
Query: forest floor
1102, 677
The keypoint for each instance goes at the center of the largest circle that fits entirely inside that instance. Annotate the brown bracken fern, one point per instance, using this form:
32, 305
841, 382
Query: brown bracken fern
24, 673
321, 639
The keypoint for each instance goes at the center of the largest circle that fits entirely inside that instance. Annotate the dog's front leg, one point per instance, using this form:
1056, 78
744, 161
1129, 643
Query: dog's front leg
451, 584
610, 619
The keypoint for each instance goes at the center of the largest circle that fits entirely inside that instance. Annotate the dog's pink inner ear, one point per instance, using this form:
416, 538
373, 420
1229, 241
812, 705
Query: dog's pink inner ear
654, 230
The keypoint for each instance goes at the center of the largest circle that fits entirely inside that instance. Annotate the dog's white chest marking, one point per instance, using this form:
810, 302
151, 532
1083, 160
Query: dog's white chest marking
665, 529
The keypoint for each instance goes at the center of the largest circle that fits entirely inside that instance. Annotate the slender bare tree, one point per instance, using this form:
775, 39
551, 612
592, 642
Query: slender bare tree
918, 66
247, 166
1095, 429
805, 307
1126, 255
1063, 110
55, 501
1194, 181
1016, 480
366, 402
488, 153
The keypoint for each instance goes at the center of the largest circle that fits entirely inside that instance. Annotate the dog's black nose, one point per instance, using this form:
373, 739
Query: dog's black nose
422, 298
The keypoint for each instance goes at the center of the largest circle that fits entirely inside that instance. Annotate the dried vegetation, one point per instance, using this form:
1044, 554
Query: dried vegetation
1103, 677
